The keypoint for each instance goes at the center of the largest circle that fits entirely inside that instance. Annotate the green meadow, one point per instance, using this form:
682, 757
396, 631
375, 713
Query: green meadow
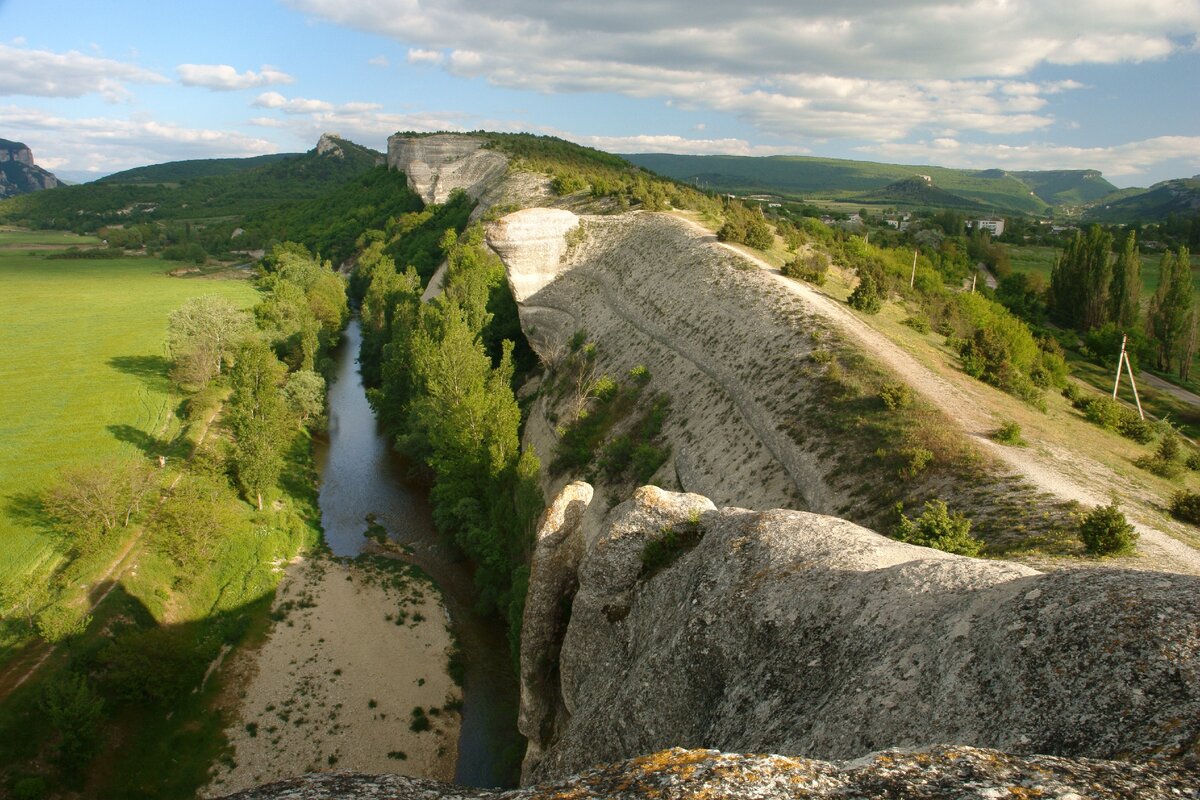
1040, 259
83, 371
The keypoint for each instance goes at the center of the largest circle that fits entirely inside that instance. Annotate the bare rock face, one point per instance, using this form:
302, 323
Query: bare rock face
943, 773
437, 165
18, 173
790, 632
328, 145
532, 243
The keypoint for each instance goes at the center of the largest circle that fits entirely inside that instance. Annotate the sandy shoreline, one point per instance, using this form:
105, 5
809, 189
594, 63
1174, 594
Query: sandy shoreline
355, 649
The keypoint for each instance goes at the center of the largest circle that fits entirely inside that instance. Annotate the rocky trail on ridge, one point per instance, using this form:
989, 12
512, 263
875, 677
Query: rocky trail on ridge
1066, 474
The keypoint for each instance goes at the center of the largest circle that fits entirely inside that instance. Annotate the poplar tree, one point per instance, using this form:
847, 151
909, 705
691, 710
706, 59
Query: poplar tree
1079, 281
1124, 293
1169, 318
258, 416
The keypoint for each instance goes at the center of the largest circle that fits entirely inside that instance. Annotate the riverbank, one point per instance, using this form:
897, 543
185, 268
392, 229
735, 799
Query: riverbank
355, 648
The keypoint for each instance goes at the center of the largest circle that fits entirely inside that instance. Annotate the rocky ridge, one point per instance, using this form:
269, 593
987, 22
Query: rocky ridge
789, 632
18, 172
436, 165
944, 773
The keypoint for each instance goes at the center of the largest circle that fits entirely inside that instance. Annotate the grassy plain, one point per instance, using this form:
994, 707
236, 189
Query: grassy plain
83, 370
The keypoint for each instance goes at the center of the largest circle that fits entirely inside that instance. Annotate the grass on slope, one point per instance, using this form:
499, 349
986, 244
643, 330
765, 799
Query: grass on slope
83, 371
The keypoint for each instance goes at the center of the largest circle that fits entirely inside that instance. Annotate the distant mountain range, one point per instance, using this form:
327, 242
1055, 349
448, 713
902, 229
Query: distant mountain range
1180, 197
19, 174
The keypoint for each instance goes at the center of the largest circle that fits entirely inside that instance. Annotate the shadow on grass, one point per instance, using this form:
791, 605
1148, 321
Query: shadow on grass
151, 446
151, 370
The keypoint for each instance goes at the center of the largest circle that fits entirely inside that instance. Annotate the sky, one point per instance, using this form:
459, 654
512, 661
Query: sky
1112, 85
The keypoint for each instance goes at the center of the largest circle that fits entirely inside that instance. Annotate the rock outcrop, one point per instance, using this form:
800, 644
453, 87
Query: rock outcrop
436, 165
944, 773
790, 632
532, 244
19, 174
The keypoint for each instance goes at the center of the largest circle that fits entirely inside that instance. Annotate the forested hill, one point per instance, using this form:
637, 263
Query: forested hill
333, 163
839, 179
1180, 197
179, 171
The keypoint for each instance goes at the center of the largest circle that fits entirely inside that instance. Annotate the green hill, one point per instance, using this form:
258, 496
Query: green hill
1067, 186
1180, 197
918, 192
333, 163
179, 171
834, 179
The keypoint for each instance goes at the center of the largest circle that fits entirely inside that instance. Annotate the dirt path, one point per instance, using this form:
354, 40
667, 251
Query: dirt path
1053, 470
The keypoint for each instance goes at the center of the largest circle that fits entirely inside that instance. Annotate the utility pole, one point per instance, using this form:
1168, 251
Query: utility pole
913, 276
1124, 360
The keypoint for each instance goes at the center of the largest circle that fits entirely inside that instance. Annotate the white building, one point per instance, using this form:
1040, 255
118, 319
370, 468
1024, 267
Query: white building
995, 226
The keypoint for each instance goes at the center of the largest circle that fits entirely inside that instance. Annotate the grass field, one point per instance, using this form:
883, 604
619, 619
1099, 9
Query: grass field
83, 370
1040, 260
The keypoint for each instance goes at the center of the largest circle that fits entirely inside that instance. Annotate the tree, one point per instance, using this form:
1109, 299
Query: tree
258, 416
1105, 531
74, 710
1168, 319
305, 395
939, 529
865, 297
191, 519
201, 335
1079, 281
1124, 293
89, 501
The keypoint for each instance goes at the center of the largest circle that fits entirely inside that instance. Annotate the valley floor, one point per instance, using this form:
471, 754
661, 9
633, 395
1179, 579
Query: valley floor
355, 650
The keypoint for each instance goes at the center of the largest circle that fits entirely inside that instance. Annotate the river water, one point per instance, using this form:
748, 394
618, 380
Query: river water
361, 474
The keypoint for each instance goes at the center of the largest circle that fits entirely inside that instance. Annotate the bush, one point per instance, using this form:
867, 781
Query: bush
1140, 430
865, 297
895, 395
1009, 433
1105, 531
672, 542
1185, 506
1075, 395
939, 529
1193, 462
810, 267
1105, 412
918, 324
1165, 461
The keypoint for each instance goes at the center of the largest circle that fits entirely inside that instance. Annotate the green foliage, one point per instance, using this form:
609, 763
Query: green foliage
745, 225
1166, 458
896, 395
258, 416
152, 665
202, 334
865, 297
304, 392
918, 323
810, 266
89, 502
1185, 505
1105, 531
74, 711
939, 529
1009, 433
61, 621
1079, 282
1170, 318
191, 519
665, 549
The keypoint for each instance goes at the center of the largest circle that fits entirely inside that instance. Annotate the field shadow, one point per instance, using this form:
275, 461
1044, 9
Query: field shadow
151, 370
151, 446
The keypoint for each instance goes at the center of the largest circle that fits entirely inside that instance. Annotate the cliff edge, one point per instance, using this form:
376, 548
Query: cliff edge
19, 174
680, 624
438, 164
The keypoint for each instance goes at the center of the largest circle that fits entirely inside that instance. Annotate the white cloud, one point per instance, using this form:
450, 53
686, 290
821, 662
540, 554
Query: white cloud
109, 144
431, 57
649, 143
1127, 160
379, 61
224, 78
43, 73
792, 68
295, 105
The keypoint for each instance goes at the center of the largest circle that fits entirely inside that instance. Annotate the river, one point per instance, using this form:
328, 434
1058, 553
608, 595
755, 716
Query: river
361, 474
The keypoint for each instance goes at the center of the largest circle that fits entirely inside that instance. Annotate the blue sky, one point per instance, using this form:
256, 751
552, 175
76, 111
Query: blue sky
1017, 84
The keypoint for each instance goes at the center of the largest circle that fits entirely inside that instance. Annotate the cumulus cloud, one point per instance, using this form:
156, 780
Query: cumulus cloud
1127, 160
224, 78
110, 144
294, 105
790, 67
43, 73
651, 143
379, 61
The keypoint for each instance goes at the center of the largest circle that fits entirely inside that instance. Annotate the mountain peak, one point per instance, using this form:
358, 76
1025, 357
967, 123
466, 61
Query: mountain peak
18, 173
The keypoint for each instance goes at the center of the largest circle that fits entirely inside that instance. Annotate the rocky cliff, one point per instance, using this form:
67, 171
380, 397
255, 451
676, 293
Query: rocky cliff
789, 632
945, 773
437, 165
18, 173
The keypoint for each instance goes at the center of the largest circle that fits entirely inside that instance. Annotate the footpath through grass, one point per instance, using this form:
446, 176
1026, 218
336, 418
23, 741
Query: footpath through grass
83, 371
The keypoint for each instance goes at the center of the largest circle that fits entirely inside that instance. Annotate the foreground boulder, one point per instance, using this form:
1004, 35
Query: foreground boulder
949, 773
796, 633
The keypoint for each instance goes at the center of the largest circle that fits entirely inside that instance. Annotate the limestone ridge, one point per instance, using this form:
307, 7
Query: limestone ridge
437, 165
790, 632
19, 174
946, 773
